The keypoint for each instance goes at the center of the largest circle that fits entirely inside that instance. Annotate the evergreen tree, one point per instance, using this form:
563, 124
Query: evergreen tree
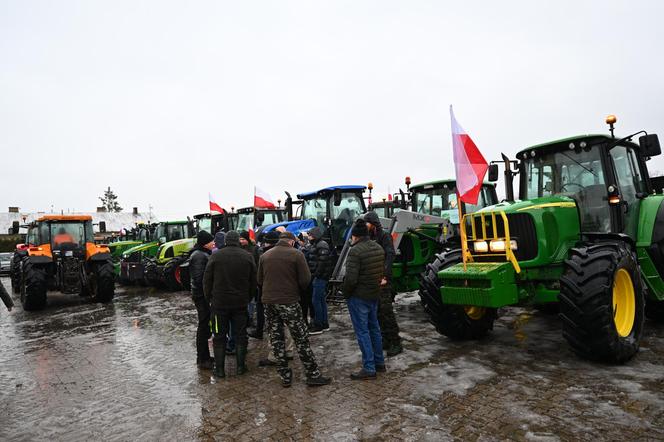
110, 201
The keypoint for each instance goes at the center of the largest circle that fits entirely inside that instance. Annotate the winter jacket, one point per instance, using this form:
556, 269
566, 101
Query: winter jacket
364, 270
318, 256
384, 240
197, 262
283, 274
254, 251
230, 279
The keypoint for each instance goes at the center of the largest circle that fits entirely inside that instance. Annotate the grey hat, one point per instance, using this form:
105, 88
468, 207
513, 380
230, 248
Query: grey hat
372, 218
232, 238
219, 239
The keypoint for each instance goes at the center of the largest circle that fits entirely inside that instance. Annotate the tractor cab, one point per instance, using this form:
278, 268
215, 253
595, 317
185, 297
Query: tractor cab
212, 223
439, 198
171, 231
253, 218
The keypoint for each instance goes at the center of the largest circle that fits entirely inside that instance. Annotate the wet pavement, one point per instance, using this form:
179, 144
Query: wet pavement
125, 371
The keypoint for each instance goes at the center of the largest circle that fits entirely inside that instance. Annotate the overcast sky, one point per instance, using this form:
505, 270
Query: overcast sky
166, 101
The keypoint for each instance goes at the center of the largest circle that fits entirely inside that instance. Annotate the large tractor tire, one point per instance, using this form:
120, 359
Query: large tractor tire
602, 302
173, 274
153, 274
457, 322
102, 282
15, 272
33, 286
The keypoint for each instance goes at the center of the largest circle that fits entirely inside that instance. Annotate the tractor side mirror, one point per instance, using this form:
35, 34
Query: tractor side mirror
337, 198
493, 173
650, 145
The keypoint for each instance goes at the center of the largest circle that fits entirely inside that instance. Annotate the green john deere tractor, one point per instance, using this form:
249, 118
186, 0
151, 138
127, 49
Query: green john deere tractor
587, 232
132, 263
418, 239
166, 268
138, 235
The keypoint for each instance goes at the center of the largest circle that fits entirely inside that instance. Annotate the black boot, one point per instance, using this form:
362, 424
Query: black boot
241, 358
219, 361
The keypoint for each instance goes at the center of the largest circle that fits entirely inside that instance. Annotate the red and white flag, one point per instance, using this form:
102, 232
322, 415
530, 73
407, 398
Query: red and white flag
214, 207
262, 199
469, 164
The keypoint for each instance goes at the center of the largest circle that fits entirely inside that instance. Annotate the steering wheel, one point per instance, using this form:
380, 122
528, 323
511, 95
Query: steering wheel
562, 188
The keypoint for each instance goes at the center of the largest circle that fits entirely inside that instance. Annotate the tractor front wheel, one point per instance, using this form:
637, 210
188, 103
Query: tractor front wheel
602, 302
457, 322
173, 275
102, 282
33, 286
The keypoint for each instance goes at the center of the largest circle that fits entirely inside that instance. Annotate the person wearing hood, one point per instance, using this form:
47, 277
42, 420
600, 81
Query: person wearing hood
386, 318
229, 283
219, 241
198, 260
318, 259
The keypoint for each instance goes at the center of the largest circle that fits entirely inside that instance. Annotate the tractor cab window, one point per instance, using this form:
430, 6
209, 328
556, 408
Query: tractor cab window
315, 208
143, 235
380, 211
175, 231
630, 182
245, 221
351, 206
205, 224
440, 202
33, 236
267, 218
484, 199
62, 233
575, 173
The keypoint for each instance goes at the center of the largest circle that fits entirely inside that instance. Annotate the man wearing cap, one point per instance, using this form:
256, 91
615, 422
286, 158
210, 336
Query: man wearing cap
282, 274
361, 288
197, 262
269, 240
229, 283
386, 318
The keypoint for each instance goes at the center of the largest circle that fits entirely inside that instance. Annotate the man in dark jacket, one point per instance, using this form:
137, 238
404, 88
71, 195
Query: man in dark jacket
386, 318
270, 239
229, 283
248, 244
318, 259
361, 288
282, 274
197, 262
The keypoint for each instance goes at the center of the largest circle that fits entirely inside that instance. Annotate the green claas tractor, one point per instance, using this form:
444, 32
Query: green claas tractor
166, 268
587, 232
418, 238
132, 263
138, 235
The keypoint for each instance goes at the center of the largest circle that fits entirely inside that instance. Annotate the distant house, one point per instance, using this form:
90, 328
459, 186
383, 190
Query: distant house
105, 224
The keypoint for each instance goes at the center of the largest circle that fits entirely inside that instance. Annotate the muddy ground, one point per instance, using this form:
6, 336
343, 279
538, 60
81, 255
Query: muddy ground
126, 371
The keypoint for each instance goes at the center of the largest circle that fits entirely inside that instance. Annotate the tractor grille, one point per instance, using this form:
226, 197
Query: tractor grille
522, 229
134, 257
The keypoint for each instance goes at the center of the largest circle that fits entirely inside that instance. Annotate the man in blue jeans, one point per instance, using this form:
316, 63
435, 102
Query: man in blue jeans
361, 288
318, 259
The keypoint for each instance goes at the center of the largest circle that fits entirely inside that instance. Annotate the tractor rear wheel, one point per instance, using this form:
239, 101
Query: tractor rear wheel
602, 302
102, 282
33, 286
153, 276
457, 322
173, 274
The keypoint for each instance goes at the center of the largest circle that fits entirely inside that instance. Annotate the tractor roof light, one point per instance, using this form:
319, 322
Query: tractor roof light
407, 181
370, 186
613, 200
611, 119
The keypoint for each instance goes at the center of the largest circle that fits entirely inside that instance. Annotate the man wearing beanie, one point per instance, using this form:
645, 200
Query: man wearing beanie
248, 244
388, 322
229, 283
219, 241
282, 274
361, 288
197, 262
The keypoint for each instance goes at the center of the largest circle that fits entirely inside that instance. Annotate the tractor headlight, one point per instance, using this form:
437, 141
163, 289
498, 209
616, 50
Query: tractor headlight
498, 245
481, 246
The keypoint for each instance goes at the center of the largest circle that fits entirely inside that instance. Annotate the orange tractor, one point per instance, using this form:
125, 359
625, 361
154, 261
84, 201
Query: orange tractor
60, 255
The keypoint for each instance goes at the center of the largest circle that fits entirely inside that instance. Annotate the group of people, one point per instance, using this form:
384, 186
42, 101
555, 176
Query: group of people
286, 278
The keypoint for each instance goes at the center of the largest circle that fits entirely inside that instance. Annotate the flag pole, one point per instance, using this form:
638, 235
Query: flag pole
462, 228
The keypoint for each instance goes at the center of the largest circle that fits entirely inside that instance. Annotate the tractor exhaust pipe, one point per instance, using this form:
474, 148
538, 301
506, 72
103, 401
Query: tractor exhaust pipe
509, 179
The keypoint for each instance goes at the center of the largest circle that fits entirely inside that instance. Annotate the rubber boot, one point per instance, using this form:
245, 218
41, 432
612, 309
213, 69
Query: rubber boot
219, 361
241, 358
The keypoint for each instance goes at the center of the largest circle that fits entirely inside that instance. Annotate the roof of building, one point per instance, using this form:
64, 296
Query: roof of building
114, 221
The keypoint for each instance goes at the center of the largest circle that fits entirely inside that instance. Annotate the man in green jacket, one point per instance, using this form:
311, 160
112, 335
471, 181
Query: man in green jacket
361, 288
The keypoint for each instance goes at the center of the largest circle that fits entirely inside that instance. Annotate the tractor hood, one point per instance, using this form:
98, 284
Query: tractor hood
175, 248
544, 228
140, 248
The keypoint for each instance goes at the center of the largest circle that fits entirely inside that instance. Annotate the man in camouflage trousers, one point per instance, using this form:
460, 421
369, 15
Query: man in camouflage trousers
282, 274
386, 318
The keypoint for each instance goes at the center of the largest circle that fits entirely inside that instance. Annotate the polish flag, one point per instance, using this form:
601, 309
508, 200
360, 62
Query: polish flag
214, 207
469, 164
262, 199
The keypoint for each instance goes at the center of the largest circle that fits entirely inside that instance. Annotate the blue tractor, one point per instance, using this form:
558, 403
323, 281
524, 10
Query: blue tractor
333, 209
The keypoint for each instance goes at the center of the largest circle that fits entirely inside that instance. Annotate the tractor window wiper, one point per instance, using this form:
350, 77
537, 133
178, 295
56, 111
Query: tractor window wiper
589, 170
